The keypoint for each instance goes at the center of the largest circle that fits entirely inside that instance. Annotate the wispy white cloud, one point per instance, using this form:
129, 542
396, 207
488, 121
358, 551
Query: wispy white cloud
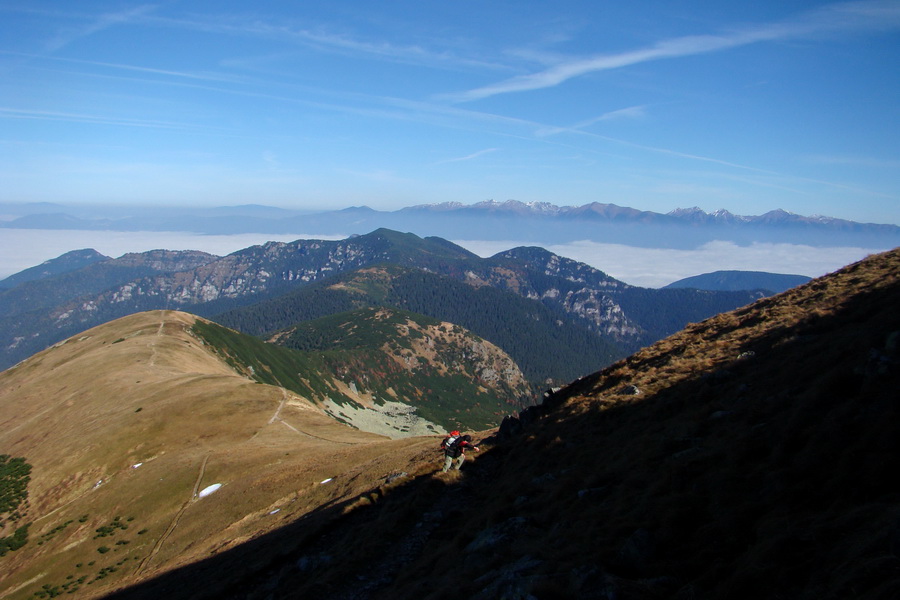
632, 112
467, 157
323, 39
45, 115
670, 152
218, 77
460, 118
831, 19
271, 160
104, 21
443, 54
855, 161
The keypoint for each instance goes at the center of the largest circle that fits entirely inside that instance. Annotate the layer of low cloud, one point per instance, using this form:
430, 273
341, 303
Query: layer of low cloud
657, 267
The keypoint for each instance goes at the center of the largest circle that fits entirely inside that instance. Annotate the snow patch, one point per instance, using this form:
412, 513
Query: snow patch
209, 490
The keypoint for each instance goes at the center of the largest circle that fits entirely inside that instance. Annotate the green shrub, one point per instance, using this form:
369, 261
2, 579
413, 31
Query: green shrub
15, 541
15, 474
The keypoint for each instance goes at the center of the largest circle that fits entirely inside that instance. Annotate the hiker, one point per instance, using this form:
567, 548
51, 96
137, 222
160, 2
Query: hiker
454, 447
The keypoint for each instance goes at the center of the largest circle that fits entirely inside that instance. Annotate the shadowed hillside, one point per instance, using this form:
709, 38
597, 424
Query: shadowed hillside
753, 455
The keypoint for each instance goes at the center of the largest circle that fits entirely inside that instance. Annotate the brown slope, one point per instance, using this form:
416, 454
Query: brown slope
758, 461
127, 422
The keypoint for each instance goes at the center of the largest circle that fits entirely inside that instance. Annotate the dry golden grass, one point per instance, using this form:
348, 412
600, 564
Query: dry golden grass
143, 391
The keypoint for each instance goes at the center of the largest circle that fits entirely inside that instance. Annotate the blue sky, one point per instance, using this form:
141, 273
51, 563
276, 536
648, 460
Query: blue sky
744, 106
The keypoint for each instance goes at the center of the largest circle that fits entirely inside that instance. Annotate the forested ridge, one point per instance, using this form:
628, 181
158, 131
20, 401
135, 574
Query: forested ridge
360, 348
545, 343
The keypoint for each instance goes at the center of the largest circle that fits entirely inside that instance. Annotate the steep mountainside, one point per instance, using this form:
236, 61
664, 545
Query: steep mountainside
71, 284
633, 316
774, 283
751, 455
124, 432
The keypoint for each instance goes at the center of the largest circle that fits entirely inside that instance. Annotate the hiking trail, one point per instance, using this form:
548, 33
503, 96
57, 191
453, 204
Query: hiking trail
174, 523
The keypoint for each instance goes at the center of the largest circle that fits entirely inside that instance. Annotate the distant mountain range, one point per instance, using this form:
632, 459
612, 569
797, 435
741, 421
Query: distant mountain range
556, 317
539, 222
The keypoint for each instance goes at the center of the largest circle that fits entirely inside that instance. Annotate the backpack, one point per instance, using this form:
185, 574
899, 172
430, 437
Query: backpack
449, 443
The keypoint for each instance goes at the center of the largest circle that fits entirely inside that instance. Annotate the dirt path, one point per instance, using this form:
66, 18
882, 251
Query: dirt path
174, 523
199, 478
294, 429
277, 415
152, 344
277, 418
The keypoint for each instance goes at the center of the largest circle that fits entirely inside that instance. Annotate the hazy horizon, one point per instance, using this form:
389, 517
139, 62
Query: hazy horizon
746, 107
113, 210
